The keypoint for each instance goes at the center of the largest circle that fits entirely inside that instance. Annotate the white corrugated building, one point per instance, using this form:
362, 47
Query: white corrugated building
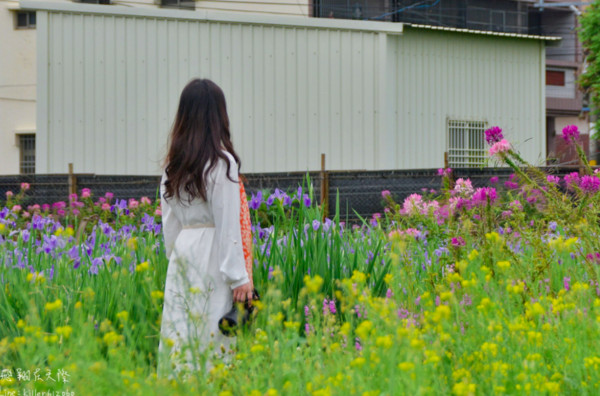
370, 95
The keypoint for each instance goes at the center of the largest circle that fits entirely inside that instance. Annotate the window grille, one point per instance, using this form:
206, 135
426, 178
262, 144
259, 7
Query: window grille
181, 4
27, 153
25, 20
466, 143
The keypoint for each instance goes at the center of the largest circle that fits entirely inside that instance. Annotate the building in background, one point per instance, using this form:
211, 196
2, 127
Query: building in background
18, 79
369, 95
565, 104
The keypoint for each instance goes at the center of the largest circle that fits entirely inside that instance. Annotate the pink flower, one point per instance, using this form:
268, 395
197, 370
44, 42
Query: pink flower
494, 180
105, 206
444, 172
145, 201
24, 186
109, 195
463, 187
570, 133
86, 193
45, 207
413, 204
133, 203
553, 179
72, 197
16, 208
483, 194
76, 212
25, 215
385, 194
571, 180
589, 184
9, 194
458, 241
493, 135
501, 147
158, 212
515, 205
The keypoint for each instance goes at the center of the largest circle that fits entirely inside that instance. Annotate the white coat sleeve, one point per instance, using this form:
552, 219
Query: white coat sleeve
171, 226
225, 202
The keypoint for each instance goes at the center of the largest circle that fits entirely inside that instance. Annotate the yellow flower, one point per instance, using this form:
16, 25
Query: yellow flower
78, 305
157, 294
345, 329
257, 348
503, 265
123, 315
53, 306
291, 325
112, 338
484, 305
51, 339
64, 331
364, 329
388, 278
142, 267
69, 231
313, 284
473, 255
463, 389
359, 361
406, 366
271, 392
132, 243
385, 342
493, 237
358, 277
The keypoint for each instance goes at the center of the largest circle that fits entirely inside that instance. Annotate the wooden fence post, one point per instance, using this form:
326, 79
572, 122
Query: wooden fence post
324, 175
72, 180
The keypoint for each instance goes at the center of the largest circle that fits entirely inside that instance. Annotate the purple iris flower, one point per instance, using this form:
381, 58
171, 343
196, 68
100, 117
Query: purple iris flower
287, 200
306, 200
25, 234
3, 213
95, 264
270, 200
316, 224
256, 201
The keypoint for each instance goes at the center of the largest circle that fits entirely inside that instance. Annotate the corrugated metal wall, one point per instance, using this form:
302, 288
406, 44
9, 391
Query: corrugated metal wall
441, 77
367, 100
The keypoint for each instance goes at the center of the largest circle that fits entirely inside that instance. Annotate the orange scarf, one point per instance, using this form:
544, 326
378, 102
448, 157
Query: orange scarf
246, 227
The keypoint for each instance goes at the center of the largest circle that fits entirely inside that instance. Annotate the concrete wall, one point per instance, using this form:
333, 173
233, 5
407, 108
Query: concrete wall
17, 86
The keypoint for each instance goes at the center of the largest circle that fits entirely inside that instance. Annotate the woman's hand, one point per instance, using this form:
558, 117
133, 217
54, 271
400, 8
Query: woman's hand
243, 293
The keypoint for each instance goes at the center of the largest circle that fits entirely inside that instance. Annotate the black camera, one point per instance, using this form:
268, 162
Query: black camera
230, 322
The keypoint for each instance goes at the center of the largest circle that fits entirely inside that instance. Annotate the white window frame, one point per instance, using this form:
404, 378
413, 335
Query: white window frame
466, 145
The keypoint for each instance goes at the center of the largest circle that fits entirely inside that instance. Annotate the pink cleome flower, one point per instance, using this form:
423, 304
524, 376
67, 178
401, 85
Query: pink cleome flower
501, 147
24, 186
493, 135
413, 204
86, 193
589, 184
570, 133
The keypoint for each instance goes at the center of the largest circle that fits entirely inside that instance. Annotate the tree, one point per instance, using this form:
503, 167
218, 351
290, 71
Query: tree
589, 35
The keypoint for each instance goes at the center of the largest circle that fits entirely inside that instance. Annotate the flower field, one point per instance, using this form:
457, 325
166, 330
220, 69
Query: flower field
464, 291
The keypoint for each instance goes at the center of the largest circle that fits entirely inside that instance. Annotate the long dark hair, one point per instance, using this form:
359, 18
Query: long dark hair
199, 135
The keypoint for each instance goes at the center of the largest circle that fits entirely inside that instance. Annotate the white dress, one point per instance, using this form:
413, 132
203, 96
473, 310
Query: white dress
206, 262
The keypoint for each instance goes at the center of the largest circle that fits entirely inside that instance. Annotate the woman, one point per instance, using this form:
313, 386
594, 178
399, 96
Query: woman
206, 226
